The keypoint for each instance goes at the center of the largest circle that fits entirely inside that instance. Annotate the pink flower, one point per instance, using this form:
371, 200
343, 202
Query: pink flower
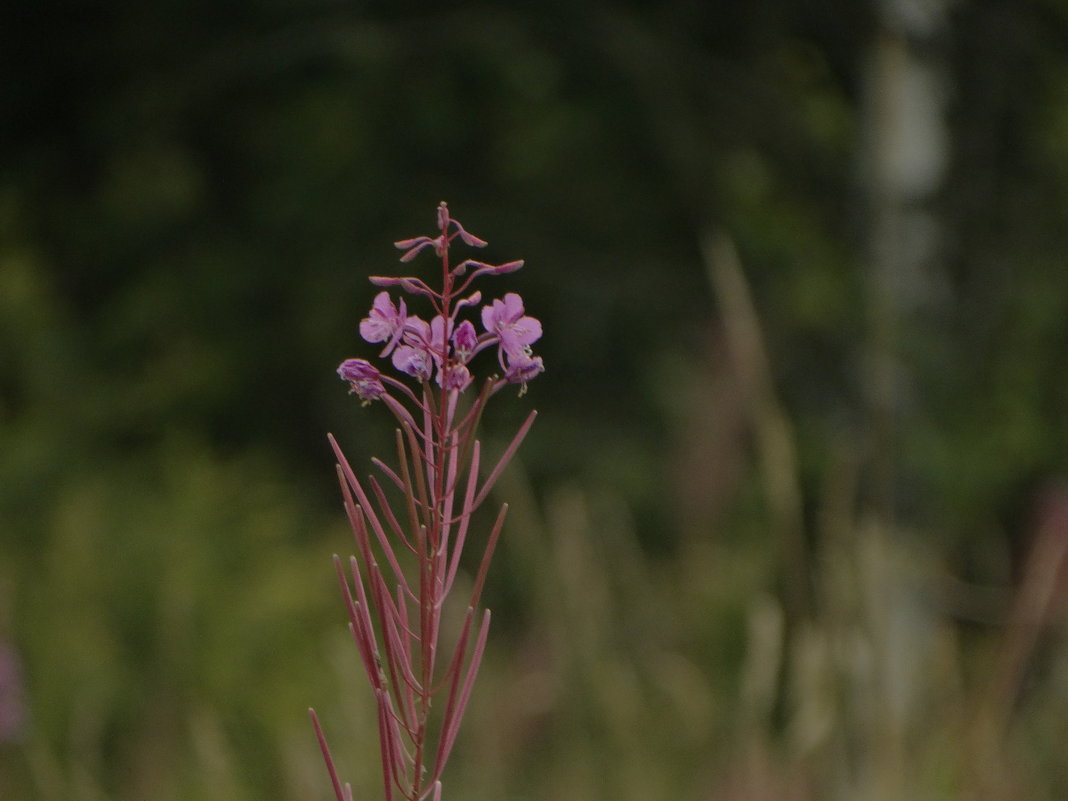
385, 323
464, 341
415, 362
522, 367
363, 377
415, 357
456, 376
514, 331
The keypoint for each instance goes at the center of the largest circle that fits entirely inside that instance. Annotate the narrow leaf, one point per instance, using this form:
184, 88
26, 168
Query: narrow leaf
465, 517
387, 512
506, 457
487, 556
385, 744
454, 672
361, 632
451, 725
341, 795
365, 504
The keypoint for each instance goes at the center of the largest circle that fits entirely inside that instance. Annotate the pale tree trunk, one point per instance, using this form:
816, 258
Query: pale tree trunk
903, 162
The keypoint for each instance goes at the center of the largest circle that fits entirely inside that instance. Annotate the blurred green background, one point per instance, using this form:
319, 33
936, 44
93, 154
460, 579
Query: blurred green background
792, 523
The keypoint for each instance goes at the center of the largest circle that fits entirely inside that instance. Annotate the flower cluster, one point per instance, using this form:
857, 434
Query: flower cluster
442, 348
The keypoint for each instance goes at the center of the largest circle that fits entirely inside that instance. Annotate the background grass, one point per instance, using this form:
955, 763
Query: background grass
735, 568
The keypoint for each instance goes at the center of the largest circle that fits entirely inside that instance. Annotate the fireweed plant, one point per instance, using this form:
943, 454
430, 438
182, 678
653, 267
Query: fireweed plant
409, 548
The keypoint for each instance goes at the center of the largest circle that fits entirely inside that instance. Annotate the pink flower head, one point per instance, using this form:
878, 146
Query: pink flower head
363, 377
385, 322
505, 320
442, 348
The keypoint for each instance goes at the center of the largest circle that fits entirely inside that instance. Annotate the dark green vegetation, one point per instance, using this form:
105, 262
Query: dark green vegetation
775, 548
